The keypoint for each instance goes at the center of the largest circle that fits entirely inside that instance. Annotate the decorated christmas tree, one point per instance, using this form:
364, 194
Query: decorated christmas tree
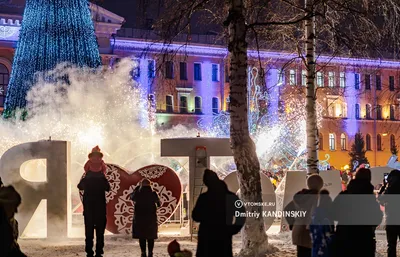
52, 32
357, 152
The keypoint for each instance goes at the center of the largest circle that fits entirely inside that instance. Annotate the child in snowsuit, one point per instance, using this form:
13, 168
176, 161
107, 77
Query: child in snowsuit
95, 164
322, 227
174, 250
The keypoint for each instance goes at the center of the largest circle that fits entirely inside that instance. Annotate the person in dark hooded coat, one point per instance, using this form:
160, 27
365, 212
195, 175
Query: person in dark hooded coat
215, 211
145, 223
9, 202
391, 199
358, 214
95, 187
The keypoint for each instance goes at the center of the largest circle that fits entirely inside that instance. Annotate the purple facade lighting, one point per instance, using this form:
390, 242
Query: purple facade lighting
273, 95
212, 51
351, 93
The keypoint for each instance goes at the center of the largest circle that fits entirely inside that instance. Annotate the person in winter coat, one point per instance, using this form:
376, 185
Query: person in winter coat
304, 200
9, 202
358, 214
95, 162
145, 224
215, 211
94, 210
322, 227
391, 199
174, 250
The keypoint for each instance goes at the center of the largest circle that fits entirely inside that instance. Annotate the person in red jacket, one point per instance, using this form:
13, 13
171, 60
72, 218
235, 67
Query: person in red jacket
95, 162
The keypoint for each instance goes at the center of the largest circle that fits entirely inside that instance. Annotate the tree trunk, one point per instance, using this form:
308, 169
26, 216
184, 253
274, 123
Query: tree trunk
254, 238
311, 97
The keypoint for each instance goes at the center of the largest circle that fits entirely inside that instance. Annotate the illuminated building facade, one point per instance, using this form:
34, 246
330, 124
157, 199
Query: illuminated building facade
355, 94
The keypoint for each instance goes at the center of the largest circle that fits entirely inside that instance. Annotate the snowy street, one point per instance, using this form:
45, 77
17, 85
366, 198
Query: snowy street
124, 246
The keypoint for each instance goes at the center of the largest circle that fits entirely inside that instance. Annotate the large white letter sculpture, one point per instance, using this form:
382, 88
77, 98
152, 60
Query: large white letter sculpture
55, 189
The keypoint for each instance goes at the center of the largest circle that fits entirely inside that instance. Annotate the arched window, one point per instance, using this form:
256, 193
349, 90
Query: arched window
368, 142
215, 105
4, 76
197, 105
321, 141
378, 112
378, 142
368, 111
152, 101
183, 104
392, 142
343, 142
169, 103
332, 142
392, 112
344, 110
357, 111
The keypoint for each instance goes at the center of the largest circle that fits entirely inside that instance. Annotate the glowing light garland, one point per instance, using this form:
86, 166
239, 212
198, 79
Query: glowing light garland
52, 32
280, 145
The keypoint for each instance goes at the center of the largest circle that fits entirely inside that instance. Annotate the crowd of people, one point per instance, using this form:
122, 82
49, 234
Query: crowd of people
214, 234
356, 212
345, 226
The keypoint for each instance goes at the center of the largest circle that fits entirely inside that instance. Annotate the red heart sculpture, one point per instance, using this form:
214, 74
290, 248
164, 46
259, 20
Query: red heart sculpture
119, 206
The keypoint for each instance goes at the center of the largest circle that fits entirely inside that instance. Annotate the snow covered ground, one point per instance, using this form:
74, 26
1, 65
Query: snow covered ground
124, 246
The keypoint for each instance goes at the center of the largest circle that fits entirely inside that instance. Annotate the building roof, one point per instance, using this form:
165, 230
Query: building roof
13, 7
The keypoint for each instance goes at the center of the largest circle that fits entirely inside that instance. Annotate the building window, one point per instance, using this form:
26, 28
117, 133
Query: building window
368, 142
197, 71
183, 70
135, 72
342, 79
331, 79
183, 105
368, 111
169, 104
343, 142
378, 142
320, 79
357, 111
4, 77
226, 74
152, 100
332, 143
280, 77
321, 141
357, 81
304, 77
378, 82
169, 70
344, 110
215, 109
197, 105
392, 112
292, 77
378, 112
215, 72
228, 104
151, 69
392, 142
367, 81
391, 83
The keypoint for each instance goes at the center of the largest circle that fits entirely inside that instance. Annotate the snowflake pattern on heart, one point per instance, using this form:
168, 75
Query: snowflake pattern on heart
124, 209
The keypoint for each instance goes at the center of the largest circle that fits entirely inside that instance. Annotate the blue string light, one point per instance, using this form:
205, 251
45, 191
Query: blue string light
52, 32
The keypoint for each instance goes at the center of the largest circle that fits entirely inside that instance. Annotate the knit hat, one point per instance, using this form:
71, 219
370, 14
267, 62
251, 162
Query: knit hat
173, 248
96, 151
315, 182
